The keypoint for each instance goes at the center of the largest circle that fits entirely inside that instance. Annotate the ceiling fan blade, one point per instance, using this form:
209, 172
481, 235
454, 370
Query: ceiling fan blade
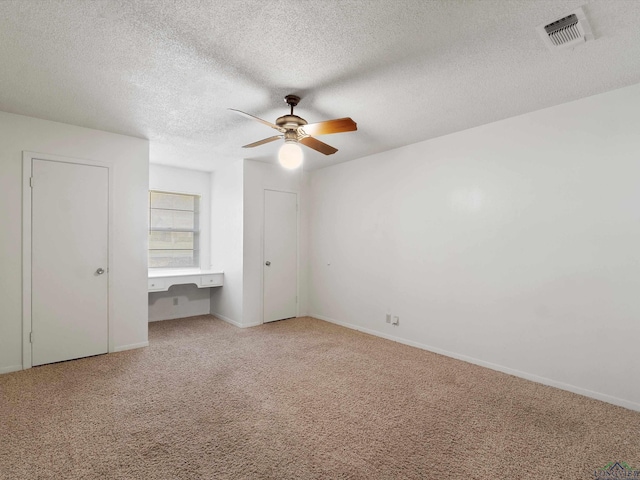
338, 125
262, 142
268, 124
318, 145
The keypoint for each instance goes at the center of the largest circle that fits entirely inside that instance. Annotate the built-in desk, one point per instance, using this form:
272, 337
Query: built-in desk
161, 279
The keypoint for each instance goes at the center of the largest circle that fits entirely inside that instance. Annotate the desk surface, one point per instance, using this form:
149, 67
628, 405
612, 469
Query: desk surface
179, 272
161, 279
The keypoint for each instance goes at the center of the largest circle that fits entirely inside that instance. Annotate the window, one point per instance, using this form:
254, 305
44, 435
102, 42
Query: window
173, 230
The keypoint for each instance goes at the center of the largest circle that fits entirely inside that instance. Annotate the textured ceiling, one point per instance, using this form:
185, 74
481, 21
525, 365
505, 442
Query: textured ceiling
404, 70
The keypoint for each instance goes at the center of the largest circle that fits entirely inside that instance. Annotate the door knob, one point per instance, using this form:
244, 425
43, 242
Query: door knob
100, 271
267, 263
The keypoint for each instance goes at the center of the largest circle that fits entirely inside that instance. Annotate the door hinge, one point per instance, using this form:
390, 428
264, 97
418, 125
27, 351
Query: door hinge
31, 182
30, 337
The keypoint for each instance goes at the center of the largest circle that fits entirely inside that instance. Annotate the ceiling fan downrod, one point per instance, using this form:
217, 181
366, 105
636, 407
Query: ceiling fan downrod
292, 101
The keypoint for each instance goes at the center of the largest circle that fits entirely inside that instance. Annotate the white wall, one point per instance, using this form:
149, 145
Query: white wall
128, 276
191, 299
237, 228
226, 241
514, 245
259, 176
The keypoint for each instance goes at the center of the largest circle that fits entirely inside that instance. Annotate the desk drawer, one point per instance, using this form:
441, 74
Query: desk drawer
156, 284
214, 280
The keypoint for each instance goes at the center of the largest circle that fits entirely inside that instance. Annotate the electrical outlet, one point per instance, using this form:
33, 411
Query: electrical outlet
388, 318
396, 321
175, 300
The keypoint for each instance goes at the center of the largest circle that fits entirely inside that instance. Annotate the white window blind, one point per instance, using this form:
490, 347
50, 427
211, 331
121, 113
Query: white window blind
173, 230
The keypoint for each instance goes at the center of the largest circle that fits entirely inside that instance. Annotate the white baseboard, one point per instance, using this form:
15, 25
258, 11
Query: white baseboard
493, 366
132, 346
235, 323
227, 319
12, 368
176, 316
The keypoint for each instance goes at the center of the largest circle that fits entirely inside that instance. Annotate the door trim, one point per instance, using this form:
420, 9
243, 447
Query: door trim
27, 162
297, 194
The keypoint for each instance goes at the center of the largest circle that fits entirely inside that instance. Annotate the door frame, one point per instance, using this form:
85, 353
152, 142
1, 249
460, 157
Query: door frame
27, 168
264, 203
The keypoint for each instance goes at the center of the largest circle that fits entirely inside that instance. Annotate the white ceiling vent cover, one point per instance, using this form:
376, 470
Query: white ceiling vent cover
566, 32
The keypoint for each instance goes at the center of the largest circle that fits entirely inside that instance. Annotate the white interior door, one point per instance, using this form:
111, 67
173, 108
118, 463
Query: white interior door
280, 255
69, 286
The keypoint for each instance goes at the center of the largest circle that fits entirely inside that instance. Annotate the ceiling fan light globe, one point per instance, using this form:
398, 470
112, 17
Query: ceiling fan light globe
290, 155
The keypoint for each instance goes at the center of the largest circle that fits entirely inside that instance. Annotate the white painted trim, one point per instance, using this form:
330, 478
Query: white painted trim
264, 201
176, 317
227, 319
131, 346
26, 259
12, 368
249, 325
234, 322
493, 366
27, 168
172, 317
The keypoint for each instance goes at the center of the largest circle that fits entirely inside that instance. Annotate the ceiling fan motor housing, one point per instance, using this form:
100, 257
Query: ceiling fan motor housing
290, 121
291, 135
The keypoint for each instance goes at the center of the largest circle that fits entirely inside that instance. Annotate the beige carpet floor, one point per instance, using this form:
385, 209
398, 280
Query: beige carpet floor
297, 399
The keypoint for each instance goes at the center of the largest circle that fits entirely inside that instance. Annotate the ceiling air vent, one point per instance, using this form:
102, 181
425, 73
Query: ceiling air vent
566, 32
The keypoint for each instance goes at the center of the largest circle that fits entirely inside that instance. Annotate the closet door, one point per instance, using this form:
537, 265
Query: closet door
281, 255
69, 277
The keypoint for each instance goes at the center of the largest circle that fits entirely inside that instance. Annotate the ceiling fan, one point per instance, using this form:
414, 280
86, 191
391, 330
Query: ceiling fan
295, 130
